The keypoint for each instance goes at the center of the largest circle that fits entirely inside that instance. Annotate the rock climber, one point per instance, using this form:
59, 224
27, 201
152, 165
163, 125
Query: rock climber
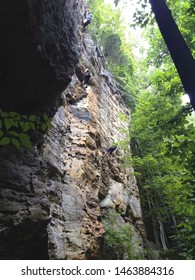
87, 20
109, 151
86, 77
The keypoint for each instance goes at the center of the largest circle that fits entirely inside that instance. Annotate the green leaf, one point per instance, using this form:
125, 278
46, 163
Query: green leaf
15, 124
176, 144
8, 123
22, 125
45, 117
4, 114
14, 133
26, 126
48, 124
25, 140
44, 127
32, 125
16, 142
5, 141
33, 118
13, 114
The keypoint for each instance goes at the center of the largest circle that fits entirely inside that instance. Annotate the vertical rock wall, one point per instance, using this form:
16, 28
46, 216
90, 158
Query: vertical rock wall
54, 198
40, 46
82, 182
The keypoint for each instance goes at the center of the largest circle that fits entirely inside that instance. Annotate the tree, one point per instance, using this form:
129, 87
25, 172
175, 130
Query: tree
163, 159
162, 137
177, 46
109, 33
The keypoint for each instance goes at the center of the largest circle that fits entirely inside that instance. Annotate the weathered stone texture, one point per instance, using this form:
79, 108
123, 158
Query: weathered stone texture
82, 130
52, 199
24, 206
40, 46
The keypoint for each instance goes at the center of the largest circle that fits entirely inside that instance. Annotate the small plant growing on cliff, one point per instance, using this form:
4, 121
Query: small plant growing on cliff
15, 128
117, 238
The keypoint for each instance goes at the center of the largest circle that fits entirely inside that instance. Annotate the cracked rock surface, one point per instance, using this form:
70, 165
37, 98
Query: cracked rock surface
53, 198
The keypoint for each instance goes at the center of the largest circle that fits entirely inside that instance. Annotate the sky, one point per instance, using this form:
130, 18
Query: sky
128, 8
127, 12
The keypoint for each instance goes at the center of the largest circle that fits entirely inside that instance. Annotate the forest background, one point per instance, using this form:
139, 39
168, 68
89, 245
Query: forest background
162, 127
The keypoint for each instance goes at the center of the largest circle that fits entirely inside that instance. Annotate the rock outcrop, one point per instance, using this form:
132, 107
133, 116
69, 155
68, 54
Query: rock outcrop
53, 199
40, 46
83, 180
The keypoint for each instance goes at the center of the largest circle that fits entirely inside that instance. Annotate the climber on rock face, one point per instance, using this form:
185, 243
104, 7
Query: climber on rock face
110, 150
87, 20
86, 77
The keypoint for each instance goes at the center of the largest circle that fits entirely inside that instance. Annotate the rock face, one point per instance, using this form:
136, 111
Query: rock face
38, 51
24, 206
54, 199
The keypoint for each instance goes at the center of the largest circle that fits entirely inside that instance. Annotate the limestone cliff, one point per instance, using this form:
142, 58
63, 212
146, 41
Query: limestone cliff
54, 199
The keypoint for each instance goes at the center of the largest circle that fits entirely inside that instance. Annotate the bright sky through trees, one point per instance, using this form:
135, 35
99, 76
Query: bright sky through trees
127, 9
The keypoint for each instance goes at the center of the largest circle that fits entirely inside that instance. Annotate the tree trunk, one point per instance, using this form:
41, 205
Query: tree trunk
177, 47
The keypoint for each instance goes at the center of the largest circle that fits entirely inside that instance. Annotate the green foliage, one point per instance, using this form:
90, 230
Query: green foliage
15, 128
118, 237
162, 128
163, 156
184, 15
108, 31
163, 136
143, 15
